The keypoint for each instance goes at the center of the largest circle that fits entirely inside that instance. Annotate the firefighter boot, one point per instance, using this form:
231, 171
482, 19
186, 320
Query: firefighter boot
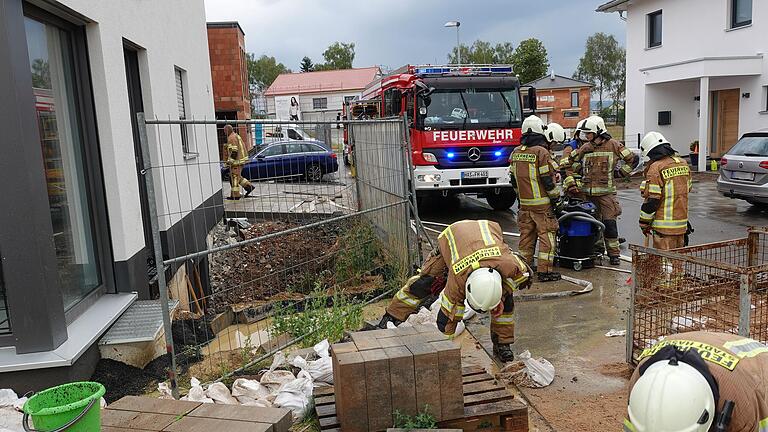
248, 189
502, 351
548, 276
614, 260
387, 318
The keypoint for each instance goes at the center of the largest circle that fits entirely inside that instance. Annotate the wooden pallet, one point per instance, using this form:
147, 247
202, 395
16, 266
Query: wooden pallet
488, 406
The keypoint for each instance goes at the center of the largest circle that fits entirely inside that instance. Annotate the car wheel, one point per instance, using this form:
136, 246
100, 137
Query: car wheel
503, 200
314, 173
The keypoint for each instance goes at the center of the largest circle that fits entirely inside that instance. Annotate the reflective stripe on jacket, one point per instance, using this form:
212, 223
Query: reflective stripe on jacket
527, 166
597, 164
236, 153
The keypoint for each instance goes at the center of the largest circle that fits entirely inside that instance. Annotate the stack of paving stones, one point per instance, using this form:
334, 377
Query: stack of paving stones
407, 369
133, 413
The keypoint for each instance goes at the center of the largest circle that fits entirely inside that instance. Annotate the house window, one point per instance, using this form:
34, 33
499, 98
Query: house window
348, 99
765, 99
741, 13
181, 105
319, 103
574, 99
570, 114
5, 318
654, 29
67, 163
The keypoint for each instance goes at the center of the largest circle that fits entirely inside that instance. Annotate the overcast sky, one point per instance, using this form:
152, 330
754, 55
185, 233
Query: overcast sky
397, 32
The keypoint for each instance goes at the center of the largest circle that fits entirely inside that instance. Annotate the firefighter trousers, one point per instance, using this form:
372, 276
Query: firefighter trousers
668, 241
431, 281
608, 210
538, 225
236, 180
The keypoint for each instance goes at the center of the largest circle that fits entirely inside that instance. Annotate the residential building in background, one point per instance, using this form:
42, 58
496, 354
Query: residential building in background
561, 99
316, 96
229, 74
75, 240
696, 70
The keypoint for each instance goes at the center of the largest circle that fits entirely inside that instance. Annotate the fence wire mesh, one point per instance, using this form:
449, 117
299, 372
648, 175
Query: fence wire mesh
322, 227
720, 287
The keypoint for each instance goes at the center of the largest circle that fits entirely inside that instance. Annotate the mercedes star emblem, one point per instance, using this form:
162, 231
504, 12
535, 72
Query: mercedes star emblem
741, 164
473, 154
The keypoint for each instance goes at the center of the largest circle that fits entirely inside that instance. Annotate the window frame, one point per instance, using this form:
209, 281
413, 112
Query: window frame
319, 103
93, 170
575, 93
732, 23
183, 128
650, 29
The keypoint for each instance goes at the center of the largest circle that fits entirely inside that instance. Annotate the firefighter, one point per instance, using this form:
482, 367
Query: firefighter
664, 214
471, 263
571, 180
236, 158
700, 382
532, 173
597, 160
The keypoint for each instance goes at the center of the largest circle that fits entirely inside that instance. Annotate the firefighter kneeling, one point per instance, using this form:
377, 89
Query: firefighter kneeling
533, 176
471, 263
700, 382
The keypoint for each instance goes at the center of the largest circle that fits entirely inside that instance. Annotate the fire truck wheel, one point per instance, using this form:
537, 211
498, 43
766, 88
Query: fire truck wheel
502, 201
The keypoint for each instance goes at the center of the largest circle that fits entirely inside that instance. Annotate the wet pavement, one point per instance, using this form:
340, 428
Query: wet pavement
589, 391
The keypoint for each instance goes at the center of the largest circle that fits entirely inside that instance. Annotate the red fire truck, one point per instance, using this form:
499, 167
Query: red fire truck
464, 123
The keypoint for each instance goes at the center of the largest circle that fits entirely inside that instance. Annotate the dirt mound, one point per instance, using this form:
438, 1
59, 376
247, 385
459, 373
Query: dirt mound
616, 370
121, 379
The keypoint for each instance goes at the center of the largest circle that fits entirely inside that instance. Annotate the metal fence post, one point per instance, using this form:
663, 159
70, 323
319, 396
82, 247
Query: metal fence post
630, 337
155, 223
745, 303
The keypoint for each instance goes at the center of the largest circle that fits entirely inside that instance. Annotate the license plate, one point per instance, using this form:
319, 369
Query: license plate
474, 174
739, 175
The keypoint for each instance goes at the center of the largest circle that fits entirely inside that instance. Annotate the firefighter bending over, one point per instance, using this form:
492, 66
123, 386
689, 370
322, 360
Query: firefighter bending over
597, 160
700, 382
471, 263
532, 173
664, 214
236, 158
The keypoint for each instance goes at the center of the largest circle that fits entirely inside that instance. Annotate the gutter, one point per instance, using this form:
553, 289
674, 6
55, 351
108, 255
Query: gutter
612, 6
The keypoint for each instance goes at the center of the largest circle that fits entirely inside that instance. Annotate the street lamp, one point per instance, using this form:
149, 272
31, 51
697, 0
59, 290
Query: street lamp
458, 46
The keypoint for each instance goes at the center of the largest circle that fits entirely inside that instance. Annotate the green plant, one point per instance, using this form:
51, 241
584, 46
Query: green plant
360, 254
422, 420
246, 351
318, 320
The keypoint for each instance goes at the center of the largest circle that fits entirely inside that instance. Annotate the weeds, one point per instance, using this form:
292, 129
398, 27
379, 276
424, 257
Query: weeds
318, 320
422, 420
360, 257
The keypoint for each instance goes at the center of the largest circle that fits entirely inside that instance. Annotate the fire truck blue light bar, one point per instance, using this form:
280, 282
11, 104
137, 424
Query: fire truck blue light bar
463, 70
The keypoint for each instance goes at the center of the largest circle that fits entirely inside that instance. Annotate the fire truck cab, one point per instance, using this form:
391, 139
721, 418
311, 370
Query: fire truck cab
464, 122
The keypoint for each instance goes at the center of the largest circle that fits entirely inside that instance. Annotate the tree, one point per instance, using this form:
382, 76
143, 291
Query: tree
338, 55
529, 61
307, 65
482, 52
603, 64
41, 74
262, 73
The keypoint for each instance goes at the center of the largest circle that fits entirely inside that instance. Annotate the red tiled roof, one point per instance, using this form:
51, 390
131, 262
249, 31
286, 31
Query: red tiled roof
323, 81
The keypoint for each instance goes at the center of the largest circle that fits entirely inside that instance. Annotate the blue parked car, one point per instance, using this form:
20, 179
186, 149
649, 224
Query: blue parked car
307, 159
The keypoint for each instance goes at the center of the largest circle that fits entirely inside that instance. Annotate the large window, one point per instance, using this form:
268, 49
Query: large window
574, 99
741, 13
5, 319
59, 109
319, 103
654, 29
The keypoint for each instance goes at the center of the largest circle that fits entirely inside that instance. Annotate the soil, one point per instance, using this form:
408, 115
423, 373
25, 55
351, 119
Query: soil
121, 379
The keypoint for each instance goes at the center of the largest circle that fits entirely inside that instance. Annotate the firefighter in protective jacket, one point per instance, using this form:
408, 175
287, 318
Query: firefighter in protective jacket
236, 157
665, 189
471, 263
700, 382
597, 160
571, 180
533, 176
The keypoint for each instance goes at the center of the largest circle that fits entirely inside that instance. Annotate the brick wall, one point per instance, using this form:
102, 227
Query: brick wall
562, 104
229, 74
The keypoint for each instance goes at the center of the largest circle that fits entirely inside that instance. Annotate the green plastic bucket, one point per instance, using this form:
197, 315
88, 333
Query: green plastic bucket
73, 407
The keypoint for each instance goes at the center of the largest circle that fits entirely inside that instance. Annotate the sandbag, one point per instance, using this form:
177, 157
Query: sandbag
296, 395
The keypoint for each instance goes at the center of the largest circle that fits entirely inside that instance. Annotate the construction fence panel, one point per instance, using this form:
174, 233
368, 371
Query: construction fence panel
293, 262
721, 287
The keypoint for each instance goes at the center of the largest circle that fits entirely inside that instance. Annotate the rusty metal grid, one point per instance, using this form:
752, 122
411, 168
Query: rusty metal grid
719, 287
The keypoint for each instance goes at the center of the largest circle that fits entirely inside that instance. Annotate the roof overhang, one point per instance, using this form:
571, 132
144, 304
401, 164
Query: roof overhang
613, 6
749, 65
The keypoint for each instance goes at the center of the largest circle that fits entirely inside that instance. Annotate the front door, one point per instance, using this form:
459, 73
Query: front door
725, 120
136, 104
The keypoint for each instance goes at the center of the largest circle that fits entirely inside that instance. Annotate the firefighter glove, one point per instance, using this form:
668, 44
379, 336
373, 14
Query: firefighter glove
645, 227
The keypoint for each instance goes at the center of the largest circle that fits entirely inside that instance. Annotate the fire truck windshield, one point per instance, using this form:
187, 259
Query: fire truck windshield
470, 109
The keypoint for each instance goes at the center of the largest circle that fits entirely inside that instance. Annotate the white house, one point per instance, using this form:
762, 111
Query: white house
74, 230
696, 70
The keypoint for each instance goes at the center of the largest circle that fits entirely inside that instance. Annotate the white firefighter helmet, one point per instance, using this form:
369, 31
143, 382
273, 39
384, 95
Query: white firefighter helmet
555, 133
533, 124
592, 124
483, 289
650, 141
672, 397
